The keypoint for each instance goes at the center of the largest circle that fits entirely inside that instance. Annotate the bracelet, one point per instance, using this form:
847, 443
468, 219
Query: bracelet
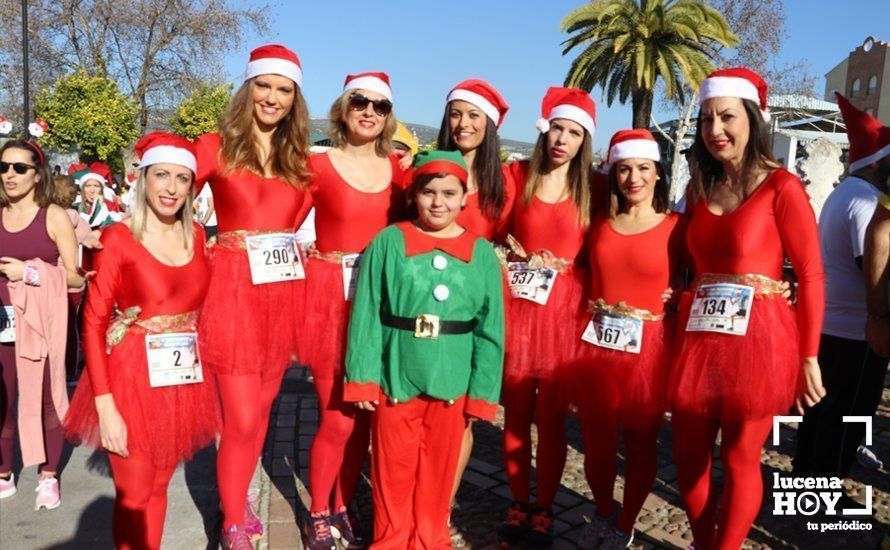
30, 275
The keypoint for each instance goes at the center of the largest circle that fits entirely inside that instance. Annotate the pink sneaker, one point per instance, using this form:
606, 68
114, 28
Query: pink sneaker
48, 495
7, 486
235, 538
252, 524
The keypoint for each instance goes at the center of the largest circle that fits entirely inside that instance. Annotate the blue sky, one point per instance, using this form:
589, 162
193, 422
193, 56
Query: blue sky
427, 47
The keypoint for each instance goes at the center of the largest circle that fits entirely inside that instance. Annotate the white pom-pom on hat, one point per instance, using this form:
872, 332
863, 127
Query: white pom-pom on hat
543, 125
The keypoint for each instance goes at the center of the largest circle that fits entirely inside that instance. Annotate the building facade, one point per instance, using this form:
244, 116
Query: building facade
864, 77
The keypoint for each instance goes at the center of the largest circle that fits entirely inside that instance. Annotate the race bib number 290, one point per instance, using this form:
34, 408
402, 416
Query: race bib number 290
274, 258
723, 308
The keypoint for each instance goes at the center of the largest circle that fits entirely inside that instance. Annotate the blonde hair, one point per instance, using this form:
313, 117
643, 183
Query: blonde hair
139, 216
580, 176
290, 141
338, 131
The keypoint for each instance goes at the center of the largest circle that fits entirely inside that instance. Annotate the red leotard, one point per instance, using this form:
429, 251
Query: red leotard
635, 269
774, 222
244, 200
472, 218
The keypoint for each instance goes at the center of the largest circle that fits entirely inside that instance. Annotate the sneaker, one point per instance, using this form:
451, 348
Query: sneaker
515, 527
616, 539
345, 526
48, 495
252, 524
540, 531
318, 532
867, 459
594, 532
7, 486
235, 538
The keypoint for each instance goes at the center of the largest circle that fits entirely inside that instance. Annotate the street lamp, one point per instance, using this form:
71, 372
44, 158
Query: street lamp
26, 75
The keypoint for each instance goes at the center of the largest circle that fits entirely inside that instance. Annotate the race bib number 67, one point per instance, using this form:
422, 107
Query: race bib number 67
723, 308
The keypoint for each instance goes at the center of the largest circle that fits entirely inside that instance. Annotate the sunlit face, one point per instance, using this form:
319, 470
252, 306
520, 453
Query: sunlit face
467, 124
364, 124
19, 185
167, 186
440, 201
92, 190
273, 98
636, 180
725, 128
564, 140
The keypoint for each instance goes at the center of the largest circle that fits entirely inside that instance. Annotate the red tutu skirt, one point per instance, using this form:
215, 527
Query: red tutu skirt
631, 386
167, 424
543, 340
323, 328
246, 328
730, 377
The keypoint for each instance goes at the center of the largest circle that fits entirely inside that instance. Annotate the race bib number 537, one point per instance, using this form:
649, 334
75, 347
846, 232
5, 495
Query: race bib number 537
530, 284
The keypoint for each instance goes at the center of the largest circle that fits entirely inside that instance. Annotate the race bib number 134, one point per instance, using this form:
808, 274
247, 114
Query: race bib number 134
723, 308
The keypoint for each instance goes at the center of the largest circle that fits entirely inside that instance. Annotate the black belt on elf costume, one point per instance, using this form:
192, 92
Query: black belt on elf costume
427, 326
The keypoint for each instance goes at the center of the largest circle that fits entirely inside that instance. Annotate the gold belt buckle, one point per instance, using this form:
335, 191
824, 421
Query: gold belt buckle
426, 326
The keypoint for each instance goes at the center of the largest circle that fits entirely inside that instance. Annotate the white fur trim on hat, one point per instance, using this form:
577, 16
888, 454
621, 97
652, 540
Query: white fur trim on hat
91, 176
274, 65
874, 157
472, 97
370, 83
163, 154
731, 86
575, 114
634, 149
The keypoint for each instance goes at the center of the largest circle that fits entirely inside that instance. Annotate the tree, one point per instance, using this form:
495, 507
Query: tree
90, 113
631, 45
156, 50
200, 113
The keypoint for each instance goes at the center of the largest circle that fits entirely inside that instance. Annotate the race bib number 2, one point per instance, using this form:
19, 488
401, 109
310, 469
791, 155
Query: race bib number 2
173, 359
7, 325
723, 308
274, 258
612, 331
530, 284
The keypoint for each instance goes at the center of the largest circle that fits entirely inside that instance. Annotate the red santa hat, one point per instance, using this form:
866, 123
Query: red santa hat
869, 139
633, 144
484, 96
97, 171
569, 103
163, 147
374, 82
275, 59
736, 82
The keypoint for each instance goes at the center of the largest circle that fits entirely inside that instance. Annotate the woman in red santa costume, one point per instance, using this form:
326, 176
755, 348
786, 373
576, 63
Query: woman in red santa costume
635, 248
550, 220
746, 354
144, 398
256, 167
474, 110
356, 188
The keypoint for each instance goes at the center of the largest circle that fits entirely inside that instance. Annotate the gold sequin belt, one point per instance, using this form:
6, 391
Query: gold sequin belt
536, 260
624, 310
764, 287
159, 324
237, 240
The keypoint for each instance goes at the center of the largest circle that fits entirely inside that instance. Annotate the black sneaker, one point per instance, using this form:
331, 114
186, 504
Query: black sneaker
515, 527
318, 532
540, 531
345, 526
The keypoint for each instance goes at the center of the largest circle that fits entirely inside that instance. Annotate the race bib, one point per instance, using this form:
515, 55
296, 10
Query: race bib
173, 359
7, 325
350, 264
273, 258
530, 284
613, 331
723, 308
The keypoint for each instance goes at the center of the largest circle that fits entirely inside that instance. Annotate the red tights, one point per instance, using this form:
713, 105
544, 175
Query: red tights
338, 449
246, 405
740, 449
541, 401
140, 503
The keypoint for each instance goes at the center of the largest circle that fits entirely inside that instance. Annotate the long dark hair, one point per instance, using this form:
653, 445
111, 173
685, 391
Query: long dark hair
486, 166
661, 200
705, 170
44, 189
580, 176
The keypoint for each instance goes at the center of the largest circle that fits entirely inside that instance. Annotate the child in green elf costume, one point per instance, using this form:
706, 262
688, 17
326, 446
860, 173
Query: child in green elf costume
425, 352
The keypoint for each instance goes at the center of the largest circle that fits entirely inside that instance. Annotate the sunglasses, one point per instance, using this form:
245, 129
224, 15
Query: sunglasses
359, 102
19, 167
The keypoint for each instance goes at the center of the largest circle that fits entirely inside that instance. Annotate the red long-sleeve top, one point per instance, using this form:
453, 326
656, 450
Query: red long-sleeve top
472, 218
775, 222
128, 275
541, 225
347, 219
245, 200
635, 268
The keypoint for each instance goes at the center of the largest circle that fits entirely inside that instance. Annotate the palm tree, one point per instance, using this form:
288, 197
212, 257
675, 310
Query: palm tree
630, 44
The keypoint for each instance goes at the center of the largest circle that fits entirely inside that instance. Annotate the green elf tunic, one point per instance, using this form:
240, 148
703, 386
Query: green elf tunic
406, 273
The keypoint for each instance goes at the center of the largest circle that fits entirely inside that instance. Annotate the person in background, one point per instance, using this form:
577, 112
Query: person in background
93, 206
206, 212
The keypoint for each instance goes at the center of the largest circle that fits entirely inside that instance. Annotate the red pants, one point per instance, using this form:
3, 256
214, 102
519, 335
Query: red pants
740, 449
140, 503
413, 463
539, 400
